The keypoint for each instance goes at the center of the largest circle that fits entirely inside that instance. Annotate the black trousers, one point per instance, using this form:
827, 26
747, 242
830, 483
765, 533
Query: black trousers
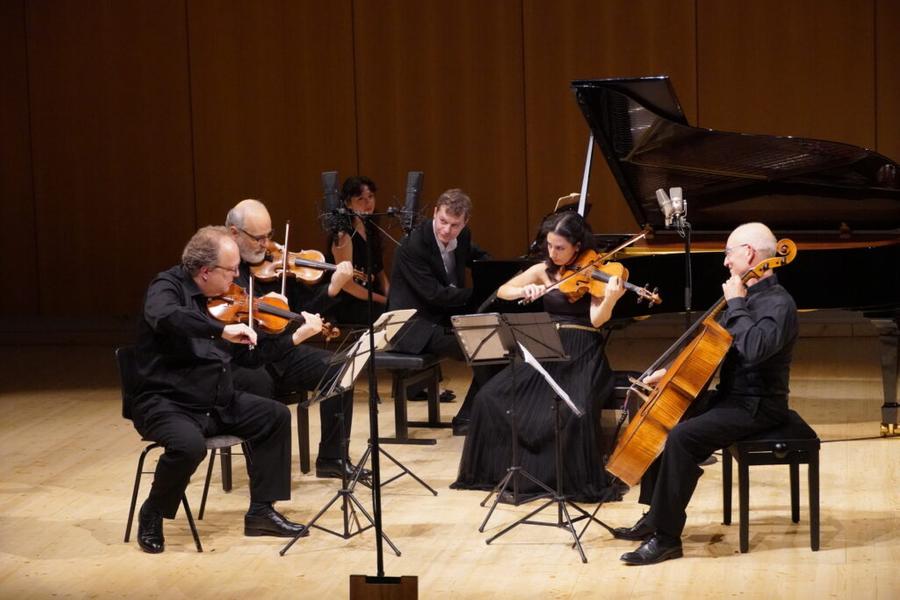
263, 423
300, 370
670, 481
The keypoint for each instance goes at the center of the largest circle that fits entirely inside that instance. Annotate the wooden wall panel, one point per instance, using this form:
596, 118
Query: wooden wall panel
17, 250
111, 136
591, 40
439, 89
272, 97
804, 68
887, 22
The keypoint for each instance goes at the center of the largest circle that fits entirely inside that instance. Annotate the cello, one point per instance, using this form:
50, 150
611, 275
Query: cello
693, 361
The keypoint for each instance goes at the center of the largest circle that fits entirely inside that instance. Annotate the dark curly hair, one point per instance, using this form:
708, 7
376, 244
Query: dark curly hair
571, 226
353, 187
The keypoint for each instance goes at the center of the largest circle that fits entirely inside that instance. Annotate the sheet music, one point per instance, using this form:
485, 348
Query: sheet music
531, 360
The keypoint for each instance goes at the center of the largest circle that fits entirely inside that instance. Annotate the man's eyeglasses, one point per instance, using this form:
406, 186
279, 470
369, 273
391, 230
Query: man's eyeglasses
728, 251
257, 238
235, 270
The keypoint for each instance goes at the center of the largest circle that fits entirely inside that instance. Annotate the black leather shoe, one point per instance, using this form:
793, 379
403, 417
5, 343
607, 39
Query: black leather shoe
638, 532
333, 467
654, 550
447, 396
460, 426
271, 522
150, 530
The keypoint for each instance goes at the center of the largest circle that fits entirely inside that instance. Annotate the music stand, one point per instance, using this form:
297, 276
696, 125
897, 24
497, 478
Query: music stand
352, 362
492, 338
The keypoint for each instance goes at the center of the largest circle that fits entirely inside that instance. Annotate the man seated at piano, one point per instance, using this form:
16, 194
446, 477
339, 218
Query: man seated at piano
586, 376
429, 275
752, 395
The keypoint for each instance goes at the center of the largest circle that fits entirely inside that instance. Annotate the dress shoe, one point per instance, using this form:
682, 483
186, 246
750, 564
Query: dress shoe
335, 468
654, 550
460, 426
638, 532
447, 396
150, 530
271, 522
710, 460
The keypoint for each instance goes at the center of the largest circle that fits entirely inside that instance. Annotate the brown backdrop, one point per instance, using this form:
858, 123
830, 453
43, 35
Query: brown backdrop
125, 125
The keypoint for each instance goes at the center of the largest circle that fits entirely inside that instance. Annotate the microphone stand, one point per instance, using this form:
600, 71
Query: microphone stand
684, 230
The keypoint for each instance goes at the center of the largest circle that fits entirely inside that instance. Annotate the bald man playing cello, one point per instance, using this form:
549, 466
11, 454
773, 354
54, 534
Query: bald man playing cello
752, 395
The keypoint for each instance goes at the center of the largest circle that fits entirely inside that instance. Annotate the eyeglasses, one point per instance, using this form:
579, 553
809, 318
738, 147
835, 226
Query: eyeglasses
257, 238
728, 251
235, 270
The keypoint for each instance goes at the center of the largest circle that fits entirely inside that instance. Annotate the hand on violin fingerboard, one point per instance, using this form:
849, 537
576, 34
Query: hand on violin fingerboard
239, 333
311, 326
615, 289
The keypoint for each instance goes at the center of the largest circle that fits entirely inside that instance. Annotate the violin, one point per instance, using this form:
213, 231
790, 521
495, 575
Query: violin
271, 314
306, 265
589, 275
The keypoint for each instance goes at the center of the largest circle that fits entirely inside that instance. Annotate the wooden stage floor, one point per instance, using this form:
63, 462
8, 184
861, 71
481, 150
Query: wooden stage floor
69, 457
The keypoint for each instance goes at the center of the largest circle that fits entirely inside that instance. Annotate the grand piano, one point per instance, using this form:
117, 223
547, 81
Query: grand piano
840, 203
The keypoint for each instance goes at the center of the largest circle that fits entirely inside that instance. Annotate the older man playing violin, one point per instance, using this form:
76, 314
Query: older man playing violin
302, 368
186, 390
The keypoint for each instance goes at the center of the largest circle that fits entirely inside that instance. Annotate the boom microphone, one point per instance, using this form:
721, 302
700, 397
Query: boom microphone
333, 214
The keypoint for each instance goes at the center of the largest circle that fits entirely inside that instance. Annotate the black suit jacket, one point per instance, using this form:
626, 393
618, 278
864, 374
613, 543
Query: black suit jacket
419, 280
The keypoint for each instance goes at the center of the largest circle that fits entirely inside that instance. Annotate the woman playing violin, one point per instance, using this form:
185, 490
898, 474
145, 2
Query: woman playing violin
348, 243
586, 376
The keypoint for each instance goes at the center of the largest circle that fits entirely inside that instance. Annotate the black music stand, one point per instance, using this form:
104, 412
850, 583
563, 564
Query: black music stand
492, 338
353, 361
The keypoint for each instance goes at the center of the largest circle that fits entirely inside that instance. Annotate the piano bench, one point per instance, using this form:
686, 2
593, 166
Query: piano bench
794, 443
408, 371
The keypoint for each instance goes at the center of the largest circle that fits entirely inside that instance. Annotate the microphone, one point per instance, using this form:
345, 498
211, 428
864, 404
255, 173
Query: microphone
665, 204
414, 180
334, 215
678, 206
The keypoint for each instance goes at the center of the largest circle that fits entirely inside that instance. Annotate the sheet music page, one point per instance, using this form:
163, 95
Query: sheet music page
531, 360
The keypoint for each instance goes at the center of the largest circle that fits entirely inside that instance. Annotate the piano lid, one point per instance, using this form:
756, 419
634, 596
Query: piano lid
789, 183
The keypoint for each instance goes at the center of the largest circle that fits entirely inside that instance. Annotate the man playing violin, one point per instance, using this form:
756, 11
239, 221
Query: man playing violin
186, 391
302, 368
752, 395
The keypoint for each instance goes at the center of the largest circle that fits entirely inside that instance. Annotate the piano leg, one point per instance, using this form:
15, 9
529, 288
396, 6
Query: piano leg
889, 338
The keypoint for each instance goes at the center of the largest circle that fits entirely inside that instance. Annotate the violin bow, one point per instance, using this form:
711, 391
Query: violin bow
284, 257
250, 308
594, 262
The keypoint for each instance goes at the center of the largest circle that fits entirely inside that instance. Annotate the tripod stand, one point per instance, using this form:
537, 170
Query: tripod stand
563, 519
352, 362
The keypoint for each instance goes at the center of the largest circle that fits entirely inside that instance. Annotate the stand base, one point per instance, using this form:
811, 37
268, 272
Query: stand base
365, 587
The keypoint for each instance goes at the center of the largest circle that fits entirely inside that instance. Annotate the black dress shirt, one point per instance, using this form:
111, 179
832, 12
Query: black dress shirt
183, 363
765, 328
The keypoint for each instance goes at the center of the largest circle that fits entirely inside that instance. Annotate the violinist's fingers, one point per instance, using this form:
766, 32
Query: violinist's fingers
239, 333
615, 288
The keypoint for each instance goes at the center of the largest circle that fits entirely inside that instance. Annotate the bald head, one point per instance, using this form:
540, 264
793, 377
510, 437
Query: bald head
755, 235
251, 226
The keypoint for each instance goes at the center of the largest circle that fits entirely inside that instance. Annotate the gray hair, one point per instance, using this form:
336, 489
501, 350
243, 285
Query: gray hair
238, 212
202, 250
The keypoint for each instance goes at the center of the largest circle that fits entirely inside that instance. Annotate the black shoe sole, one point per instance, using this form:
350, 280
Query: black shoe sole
674, 553
248, 532
633, 537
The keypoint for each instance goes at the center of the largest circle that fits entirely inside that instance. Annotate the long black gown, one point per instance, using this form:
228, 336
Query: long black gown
586, 377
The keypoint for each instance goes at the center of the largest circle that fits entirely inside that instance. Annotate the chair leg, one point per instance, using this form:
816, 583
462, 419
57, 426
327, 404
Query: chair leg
137, 485
225, 456
209, 470
303, 436
434, 396
190, 518
813, 469
401, 415
726, 486
744, 504
795, 490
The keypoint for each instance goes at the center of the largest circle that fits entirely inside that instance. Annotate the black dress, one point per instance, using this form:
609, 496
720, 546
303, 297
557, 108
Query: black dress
586, 377
350, 309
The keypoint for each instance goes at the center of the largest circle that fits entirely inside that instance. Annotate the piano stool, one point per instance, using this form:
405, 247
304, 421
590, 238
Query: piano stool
794, 443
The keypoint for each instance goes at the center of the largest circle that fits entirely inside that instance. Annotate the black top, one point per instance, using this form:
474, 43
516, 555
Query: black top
764, 326
557, 304
359, 250
182, 361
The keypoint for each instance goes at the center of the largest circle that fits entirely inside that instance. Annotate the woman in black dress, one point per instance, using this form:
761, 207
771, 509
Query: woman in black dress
349, 243
586, 377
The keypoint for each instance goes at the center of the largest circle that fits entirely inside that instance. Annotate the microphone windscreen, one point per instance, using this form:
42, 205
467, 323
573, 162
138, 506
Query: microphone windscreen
330, 195
414, 180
